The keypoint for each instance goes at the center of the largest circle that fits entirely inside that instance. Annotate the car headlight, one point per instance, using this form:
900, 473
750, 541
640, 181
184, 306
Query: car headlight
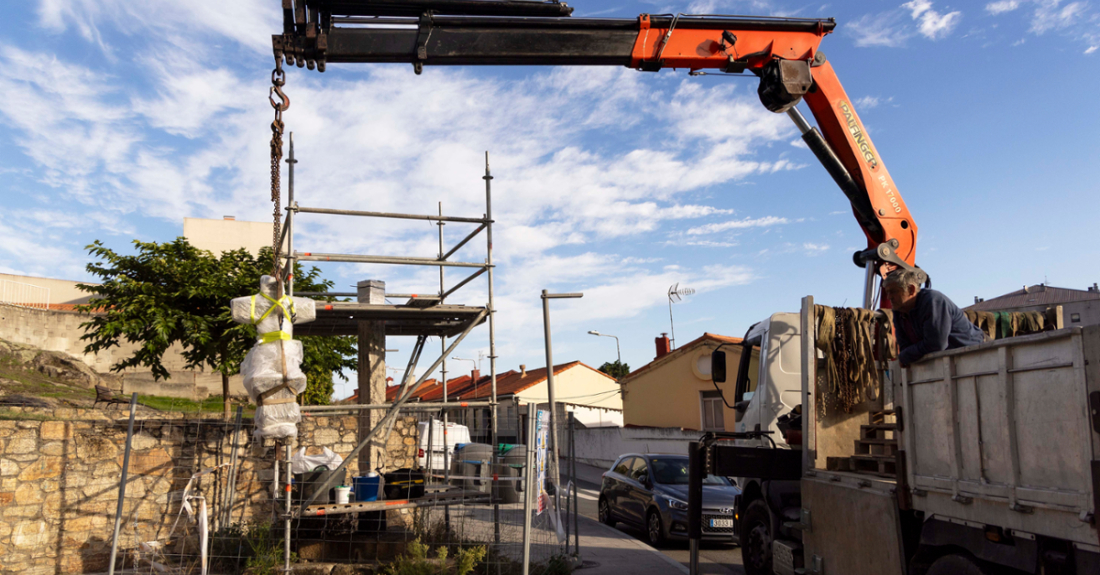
677, 504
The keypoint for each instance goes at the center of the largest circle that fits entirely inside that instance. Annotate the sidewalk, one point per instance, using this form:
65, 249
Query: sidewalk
608, 551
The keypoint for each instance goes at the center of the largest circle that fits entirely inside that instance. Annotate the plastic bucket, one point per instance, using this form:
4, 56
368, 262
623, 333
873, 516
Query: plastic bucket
367, 488
343, 494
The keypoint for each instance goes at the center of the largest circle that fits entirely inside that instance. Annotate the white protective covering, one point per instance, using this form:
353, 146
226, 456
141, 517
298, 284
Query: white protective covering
263, 366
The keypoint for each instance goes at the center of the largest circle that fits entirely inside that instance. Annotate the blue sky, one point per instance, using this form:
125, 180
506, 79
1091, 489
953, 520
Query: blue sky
121, 118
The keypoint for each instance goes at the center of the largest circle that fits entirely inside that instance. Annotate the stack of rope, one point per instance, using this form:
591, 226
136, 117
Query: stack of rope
854, 343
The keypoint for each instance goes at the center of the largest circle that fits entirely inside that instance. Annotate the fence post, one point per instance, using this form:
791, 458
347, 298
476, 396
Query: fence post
231, 482
573, 462
122, 485
529, 489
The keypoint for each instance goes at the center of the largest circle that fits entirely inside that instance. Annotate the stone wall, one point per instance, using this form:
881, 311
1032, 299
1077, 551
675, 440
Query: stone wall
59, 479
60, 331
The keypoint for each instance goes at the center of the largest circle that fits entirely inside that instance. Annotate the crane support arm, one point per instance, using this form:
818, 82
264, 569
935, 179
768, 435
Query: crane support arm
782, 51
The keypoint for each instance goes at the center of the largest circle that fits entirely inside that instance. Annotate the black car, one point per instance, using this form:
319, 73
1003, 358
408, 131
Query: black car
649, 491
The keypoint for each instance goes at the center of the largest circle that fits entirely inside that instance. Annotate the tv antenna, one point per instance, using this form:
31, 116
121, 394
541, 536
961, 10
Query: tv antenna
676, 294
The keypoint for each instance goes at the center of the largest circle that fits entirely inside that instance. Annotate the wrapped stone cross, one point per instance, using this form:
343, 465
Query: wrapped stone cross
272, 369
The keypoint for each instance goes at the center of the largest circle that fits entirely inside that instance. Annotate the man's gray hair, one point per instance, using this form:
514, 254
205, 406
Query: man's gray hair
902, 279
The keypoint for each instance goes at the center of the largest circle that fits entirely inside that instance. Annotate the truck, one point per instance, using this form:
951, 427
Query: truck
977, 460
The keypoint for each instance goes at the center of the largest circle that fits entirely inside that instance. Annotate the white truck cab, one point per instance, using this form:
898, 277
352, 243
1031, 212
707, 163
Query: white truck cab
763, 397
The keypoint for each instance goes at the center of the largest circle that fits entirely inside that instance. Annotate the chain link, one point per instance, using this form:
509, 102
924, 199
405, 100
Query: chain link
278, 79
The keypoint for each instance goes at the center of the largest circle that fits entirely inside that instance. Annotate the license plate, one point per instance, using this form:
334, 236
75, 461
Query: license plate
721, 523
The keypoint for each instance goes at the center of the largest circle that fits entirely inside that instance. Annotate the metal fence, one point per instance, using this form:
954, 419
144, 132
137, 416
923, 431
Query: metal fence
21, 294
203, 495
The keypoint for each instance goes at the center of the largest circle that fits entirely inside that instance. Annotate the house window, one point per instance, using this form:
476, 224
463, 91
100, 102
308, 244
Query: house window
1075, 317
711, 404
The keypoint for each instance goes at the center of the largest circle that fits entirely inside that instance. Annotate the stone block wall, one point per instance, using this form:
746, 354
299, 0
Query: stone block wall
59, 480
60, 331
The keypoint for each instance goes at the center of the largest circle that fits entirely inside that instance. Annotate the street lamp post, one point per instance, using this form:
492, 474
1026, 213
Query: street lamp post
546, 297
617, 351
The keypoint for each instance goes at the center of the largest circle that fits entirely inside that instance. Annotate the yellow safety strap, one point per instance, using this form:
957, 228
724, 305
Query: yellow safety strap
275, 336
288, 311
282, 302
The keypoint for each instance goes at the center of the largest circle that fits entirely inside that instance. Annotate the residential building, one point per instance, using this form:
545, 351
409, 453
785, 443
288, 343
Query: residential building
676, 390
593, 397
227, 234
1079, 307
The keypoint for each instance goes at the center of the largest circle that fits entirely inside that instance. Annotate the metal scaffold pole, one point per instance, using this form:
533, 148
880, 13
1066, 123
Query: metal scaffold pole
492, 343
290, 217
443, 378
122, 484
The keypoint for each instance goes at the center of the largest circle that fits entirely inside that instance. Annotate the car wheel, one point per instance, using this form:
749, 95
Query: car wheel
955, 565
605, 513
654, 529
756, 539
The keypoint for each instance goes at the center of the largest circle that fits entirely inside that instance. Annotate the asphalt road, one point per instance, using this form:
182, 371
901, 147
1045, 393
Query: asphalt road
716, 558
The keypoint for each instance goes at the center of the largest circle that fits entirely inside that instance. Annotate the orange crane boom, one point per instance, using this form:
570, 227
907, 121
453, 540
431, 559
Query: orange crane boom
783, 52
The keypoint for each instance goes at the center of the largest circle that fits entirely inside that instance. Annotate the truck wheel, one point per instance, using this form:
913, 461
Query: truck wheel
756, 539
955, 565
605, 513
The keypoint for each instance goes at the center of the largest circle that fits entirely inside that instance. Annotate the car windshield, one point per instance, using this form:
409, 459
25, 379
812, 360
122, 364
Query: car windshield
674, 471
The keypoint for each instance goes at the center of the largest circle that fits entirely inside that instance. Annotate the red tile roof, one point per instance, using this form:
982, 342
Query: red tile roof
705, 338
1036, 295
463, 388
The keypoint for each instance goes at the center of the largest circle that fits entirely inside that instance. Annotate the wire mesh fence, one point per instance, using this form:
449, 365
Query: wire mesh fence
202, 494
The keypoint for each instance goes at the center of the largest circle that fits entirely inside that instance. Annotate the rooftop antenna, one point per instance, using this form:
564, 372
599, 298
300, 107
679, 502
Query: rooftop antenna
676, 294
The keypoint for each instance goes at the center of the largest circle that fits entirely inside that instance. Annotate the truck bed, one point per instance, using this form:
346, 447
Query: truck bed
1001, 433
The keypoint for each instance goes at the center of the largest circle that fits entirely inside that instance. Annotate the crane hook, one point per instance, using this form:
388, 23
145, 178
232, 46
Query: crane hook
284, 101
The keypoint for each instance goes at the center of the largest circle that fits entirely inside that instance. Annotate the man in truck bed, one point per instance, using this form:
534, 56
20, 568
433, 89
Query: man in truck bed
927, 321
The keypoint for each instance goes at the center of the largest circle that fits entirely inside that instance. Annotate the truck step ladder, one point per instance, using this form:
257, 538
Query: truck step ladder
876, 449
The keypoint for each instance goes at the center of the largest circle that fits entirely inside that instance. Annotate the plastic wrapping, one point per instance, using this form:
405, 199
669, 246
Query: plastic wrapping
263, 371
263, 367
302, 463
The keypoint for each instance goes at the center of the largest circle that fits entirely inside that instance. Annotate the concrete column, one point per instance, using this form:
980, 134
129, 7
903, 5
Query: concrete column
372, 373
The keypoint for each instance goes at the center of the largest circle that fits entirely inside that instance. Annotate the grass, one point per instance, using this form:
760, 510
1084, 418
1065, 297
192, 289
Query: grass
212, 404
29, 382
7, 414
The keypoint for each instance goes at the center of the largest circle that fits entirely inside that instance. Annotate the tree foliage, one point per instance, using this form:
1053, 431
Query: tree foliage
616, 369
174, 293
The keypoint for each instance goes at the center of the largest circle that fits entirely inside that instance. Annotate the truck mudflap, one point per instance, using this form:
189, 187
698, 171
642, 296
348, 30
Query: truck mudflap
854, 544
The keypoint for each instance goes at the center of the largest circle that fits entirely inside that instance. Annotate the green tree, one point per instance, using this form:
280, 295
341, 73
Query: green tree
174, 293
616, 369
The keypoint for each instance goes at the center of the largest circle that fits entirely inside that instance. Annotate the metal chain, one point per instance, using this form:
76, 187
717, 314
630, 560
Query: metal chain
278, 78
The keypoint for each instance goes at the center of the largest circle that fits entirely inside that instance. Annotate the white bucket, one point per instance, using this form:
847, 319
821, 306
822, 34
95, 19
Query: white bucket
342, 493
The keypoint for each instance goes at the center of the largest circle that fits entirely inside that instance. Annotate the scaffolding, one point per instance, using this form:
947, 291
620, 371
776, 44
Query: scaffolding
421, 316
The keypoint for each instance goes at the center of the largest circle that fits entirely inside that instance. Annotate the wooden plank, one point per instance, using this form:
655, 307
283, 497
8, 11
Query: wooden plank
1004, 361
956, 440
442, 498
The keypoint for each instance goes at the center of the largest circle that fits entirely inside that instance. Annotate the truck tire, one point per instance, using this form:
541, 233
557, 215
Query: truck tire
756, 539
955, 564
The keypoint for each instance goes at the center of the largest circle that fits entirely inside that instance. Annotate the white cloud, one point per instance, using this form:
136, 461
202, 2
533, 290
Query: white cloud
932, 24
870, 102
886, 29
815, 249
1090, 49
890, 29
1002, 6
1049, 15
763, 222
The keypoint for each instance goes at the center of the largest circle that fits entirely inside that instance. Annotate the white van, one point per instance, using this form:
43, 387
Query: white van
456, 435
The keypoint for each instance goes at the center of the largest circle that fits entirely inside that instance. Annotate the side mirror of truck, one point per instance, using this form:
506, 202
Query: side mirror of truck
718, 366
741, 406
